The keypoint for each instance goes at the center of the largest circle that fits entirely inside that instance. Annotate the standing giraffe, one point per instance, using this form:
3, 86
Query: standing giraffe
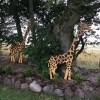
67, 57
19, 46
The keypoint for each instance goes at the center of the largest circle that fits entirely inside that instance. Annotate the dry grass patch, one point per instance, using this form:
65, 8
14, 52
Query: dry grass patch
90, 58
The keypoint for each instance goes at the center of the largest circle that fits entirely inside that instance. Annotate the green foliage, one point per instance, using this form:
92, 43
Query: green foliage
43, 70
98, 79
80, 2
79, 78
50, 3
27, 72
44, 46
1, 69
55, 77
8, 69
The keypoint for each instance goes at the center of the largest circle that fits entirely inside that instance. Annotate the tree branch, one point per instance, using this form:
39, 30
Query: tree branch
95, 6
82, 48
90, 8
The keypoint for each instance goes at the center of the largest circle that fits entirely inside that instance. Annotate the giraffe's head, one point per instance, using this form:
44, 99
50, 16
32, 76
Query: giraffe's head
84, 26
81, 29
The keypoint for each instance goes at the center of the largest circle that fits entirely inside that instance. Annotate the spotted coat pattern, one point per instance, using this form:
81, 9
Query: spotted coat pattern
18, 48
67, 57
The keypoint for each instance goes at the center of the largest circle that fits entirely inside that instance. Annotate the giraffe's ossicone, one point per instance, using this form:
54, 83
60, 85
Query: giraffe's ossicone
67, 57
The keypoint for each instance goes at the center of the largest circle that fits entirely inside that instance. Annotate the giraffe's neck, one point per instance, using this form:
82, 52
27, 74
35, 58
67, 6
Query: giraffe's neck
72, 48
26, 34
75, 41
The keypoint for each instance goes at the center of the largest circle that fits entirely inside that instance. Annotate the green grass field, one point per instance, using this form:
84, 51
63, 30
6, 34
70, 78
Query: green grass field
9, 93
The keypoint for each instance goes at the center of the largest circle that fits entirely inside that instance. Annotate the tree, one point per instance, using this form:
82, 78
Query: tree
14, 12
53, 23
75, 10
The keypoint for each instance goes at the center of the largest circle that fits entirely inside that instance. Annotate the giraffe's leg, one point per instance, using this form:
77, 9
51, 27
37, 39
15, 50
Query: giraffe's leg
69, 75
69, 68
20, 57
50, 73
13, 57
11, 54
66, 74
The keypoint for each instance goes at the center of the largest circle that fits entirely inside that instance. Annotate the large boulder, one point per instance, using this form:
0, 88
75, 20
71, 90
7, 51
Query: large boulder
48, 88
24, 86
34, 86
58, 92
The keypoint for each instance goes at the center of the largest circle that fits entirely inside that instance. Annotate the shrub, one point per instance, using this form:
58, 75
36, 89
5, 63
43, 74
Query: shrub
79, 78
8, 69
44, 71
98, 79
55, 77
27, 72
42, 48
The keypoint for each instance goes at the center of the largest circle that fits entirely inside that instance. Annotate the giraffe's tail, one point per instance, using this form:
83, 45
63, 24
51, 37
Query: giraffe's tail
48, 64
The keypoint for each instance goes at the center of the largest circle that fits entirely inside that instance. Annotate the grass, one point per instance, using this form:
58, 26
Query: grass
9, 93
90, 58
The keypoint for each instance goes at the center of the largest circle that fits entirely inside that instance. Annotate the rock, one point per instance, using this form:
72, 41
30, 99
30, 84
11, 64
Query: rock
79, 93
29, 80
48, 88
35, 87
87, 87
68, 92
19, 75
76, 69
90, 94
17, 84
7, 81
58, 92
24, 86
13, 81
71, 82
93, 79
97, 92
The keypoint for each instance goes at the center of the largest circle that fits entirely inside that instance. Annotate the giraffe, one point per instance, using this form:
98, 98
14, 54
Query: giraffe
19, 46
67, 57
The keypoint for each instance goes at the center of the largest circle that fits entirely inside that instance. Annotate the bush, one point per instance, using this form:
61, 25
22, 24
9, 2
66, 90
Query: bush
79, 78
27, 72
42, 48
98, 79
55, 77
8, 69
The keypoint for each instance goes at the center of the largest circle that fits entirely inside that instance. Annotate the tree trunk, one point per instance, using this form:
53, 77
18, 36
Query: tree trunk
31, 11
16, 18
63, 30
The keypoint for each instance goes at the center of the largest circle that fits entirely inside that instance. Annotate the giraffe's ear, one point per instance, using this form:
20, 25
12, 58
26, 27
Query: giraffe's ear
84, 26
